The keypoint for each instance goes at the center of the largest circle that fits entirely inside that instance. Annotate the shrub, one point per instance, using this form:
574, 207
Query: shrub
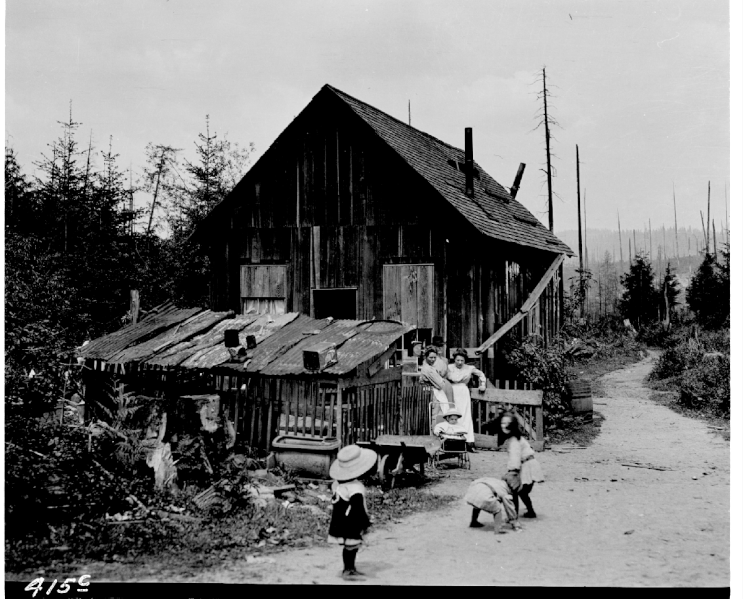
706, 387
544, 366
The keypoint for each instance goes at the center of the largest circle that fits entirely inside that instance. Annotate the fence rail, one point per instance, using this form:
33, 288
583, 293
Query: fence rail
520, 398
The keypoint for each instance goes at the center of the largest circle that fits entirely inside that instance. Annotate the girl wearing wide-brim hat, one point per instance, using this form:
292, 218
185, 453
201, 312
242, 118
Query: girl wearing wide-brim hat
350, 519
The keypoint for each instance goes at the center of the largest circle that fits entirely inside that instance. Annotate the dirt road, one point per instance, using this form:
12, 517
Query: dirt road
600, 523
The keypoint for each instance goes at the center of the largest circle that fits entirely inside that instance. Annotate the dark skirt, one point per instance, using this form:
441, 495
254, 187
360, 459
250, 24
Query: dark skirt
349, 519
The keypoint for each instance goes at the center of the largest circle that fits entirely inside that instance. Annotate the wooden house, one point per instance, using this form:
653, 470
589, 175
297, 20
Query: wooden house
354, 214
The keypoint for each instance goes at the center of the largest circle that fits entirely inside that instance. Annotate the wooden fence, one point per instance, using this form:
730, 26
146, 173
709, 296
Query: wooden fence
522, 398
264, 408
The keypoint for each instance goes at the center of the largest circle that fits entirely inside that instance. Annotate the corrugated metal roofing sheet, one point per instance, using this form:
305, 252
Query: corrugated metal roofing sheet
161, 319
194, 339
185, 329
261, 327
202, 343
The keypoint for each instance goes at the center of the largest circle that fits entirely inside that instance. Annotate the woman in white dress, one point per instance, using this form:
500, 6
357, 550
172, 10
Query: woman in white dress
433, 371
459, 375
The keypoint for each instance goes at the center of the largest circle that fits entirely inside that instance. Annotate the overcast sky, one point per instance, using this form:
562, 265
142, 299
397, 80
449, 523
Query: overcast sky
642, 86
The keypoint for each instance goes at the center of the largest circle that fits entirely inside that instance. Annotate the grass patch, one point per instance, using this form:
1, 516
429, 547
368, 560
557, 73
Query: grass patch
165, 548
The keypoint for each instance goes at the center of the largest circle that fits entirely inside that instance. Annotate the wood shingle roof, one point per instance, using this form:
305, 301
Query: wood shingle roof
492, 210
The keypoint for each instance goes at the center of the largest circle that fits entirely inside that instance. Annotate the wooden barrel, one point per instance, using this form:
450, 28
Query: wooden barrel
581, 398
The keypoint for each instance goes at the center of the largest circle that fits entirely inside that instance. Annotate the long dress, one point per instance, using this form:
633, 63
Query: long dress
442, 389
460, 378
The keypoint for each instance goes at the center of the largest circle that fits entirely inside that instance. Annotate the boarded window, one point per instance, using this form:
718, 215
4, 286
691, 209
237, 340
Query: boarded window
263, 289
408, 294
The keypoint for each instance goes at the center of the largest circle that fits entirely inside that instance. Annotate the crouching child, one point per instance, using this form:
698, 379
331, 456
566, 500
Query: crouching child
492, 495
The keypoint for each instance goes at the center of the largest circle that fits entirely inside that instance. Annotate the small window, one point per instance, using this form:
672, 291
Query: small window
338, 303
263, 289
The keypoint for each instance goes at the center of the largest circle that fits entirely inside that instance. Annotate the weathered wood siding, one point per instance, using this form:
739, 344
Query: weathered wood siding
335, 205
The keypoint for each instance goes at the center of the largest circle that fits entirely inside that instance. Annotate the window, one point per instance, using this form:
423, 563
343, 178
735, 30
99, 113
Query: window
263, 289
338, 303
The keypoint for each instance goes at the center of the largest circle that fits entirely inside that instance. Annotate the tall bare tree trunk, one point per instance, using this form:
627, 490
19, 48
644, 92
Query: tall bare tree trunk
676, 227
549, 157
709, 190
621, 257
580, 234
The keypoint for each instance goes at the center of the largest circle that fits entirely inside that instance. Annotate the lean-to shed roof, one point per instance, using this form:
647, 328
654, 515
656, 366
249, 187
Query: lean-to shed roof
193, 338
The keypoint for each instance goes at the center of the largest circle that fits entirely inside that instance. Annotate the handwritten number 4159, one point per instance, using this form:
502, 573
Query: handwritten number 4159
36, 584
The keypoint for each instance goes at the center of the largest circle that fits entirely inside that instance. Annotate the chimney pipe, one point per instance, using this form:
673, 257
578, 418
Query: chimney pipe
517, 180
469, 188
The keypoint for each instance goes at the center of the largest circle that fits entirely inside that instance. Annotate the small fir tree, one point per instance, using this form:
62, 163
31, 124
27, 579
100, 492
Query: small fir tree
639, 302
708, 294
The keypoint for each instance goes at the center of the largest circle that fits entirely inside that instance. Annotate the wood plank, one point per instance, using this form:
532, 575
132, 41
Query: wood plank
539, 415
486, 441
513, 396
269, 426
286, 399
378, 364
391, 288
331, 412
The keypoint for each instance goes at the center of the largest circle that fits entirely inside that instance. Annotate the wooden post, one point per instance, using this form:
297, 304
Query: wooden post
539, 414
339, 412
134, 305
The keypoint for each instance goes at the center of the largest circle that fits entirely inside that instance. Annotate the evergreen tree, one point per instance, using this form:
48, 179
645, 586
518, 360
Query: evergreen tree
669, 292
639, 302
208, 180
708, 294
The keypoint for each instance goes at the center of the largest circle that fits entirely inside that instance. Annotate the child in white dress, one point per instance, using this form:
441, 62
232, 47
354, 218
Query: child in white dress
450, 428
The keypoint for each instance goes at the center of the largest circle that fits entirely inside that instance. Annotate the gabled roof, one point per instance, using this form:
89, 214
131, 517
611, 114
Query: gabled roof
492, 210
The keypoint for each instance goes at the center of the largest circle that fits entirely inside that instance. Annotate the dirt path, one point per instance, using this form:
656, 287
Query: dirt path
600, 523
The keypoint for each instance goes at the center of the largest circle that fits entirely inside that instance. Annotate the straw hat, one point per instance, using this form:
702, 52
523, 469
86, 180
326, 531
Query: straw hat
352, 462
452, 412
